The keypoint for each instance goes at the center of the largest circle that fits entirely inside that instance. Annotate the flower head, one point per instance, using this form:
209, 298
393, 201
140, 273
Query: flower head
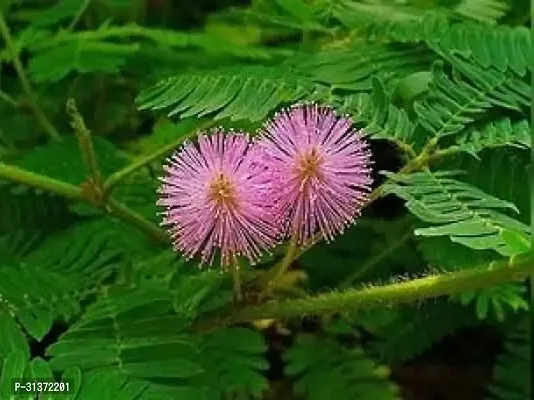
323, 168
217, 199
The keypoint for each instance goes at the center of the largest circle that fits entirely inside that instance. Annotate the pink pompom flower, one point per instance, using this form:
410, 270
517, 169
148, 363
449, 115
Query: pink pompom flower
216, 198
322, 166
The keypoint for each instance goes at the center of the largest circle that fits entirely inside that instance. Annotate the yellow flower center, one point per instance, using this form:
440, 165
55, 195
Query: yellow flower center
308, 165
222, 191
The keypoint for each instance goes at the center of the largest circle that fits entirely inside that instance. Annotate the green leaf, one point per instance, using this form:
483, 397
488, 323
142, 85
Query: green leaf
236, 93
455, 209
74, 375
11, 336
234, 363
127, 331
498, 299
110, 385
500, 172
37, 368
488, 11
406, 332
54, 278
501, 47
60, 11
26, 213
354, 68
517, 242
454, 103
349, 372
512, 373
379, 117
496, 134
12, 368
81, 57
297, 9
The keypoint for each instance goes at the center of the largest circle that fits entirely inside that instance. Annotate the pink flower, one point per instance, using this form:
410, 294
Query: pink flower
323, 167
216, 198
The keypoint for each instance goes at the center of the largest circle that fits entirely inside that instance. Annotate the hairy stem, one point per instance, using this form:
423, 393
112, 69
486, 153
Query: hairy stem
25, 83
144, 160
380, 296
86, 143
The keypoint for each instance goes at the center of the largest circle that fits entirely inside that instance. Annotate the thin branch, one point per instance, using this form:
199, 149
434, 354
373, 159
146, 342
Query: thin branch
8, 99
114, 207
268, 279
25, 83
379, 296
126, 214
79, 15
38, 181
86, 143
144, 160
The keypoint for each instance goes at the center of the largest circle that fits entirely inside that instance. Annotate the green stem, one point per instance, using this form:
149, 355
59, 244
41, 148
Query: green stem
126, 214
531, 277
25, 83
8, 99
237, 281
86, 143
270, 278
79, 15
16, 174
32, 179
379, 296
120, 175
394, 245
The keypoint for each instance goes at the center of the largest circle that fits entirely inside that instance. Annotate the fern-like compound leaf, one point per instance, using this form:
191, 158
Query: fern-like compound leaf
379, 118
94, 385
52, 280
236, 93
458, 210
13, 338
405, 332
502, 48
30, 211
488, 11
512, 375
349, 372
496, 134
353, 68
453, 103
80, 57
234, 363
135, 331
128, 330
